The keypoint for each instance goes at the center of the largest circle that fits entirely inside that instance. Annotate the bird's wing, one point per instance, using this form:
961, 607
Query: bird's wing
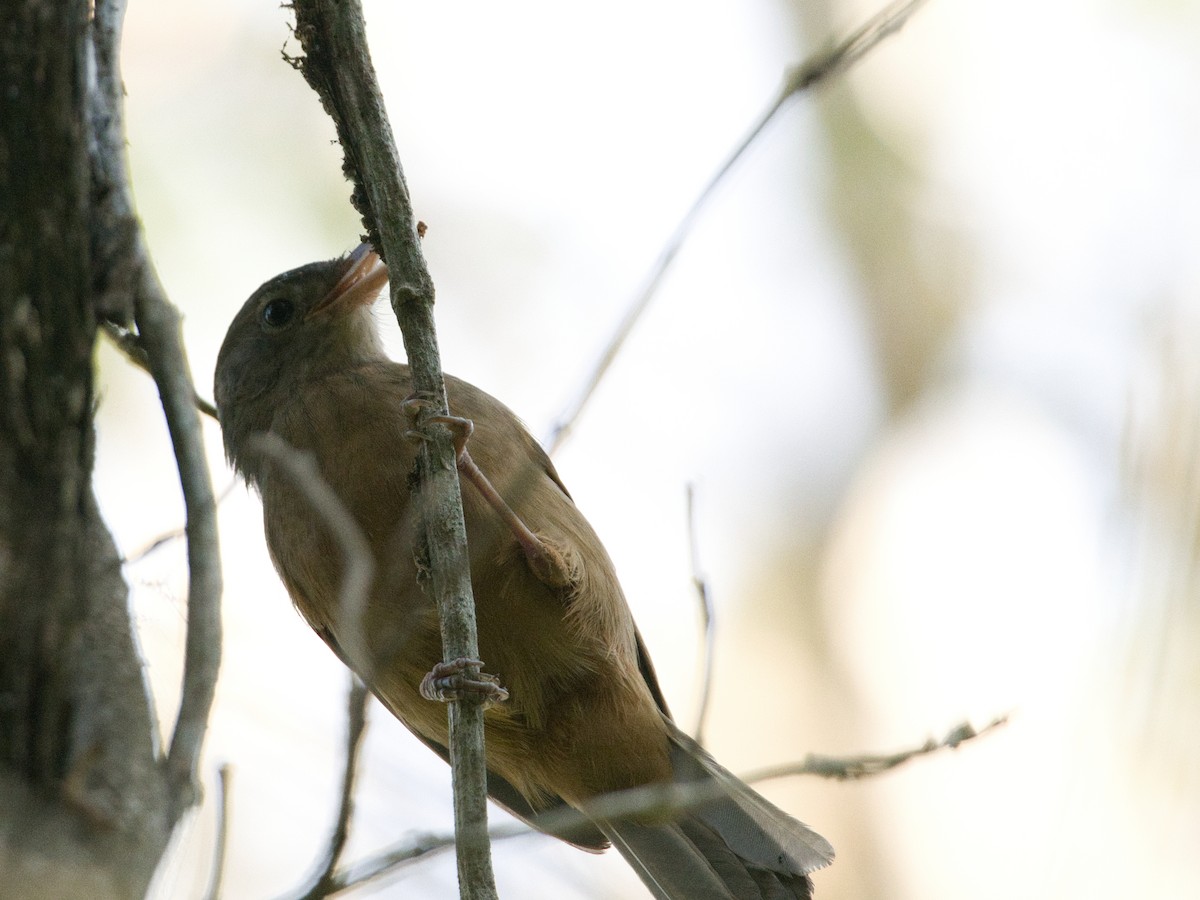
646, 667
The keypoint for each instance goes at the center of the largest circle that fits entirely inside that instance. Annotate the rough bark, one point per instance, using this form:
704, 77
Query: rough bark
84, 804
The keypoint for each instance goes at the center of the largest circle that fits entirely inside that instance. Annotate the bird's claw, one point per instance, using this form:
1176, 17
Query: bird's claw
460, 428
460, 677
460, 432
417, 403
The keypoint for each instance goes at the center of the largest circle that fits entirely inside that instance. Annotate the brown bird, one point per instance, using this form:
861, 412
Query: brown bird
580, 713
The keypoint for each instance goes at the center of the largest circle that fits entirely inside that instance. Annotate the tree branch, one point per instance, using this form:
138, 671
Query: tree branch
819, 68
337, 65
358, 563
851, 768
410, 851
131, 288
324, 882
358, 571
127, 342
653, 799
174, 534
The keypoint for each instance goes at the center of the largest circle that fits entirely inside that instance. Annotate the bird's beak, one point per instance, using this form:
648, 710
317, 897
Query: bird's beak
359, 285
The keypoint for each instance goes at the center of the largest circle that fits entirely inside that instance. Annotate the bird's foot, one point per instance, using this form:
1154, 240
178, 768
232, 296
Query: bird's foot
460, 431
459, 678
460, 428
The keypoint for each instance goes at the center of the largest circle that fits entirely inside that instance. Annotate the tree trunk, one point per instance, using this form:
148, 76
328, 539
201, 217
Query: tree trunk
84, 805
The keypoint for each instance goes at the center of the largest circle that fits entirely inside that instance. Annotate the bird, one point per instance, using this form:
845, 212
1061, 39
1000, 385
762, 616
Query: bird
573, 709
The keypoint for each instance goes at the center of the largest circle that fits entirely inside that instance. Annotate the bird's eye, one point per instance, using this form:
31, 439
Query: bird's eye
278, 312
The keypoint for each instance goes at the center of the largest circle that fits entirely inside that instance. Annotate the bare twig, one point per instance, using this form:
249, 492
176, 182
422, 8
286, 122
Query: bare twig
850, 768
323, 883
398, 856
128, 343
358, 563
652, 799
819, 68
656, 799
224, 779
175, 533
706, 617
561, 822
358, 571
337, 65
133, 288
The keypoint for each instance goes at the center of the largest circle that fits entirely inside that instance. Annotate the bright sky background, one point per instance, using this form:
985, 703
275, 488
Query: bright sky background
979, 555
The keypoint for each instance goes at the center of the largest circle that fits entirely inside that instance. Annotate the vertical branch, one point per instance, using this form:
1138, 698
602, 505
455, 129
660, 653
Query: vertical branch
337, 65
159, 326
130, 287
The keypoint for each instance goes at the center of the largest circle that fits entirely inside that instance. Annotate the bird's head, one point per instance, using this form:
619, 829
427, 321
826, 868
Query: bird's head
300, 325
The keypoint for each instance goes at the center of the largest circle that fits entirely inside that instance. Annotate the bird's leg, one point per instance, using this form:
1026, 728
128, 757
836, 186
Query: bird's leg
547, 560
456, 679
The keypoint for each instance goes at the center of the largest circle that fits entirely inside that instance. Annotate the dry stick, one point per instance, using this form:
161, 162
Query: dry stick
706, 617
656, 799
358, 571
127, 342
358, 563
850, 768
337, 65
224, 778
175, 533
819, 68
322, 884
388, 861
133, 288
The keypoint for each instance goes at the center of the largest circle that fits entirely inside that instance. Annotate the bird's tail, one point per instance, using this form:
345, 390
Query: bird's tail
734, 847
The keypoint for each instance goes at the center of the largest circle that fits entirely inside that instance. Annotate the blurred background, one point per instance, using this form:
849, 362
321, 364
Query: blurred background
928, 360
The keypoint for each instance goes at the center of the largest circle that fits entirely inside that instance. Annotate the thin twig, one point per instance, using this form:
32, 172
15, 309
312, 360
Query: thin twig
128, 343
175, 533
656, 800
358, 563
337, 64
358, 571
706, 617
133, 287
224, 779
323, 883
653, 799
819, 68
396, 857
850, 768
